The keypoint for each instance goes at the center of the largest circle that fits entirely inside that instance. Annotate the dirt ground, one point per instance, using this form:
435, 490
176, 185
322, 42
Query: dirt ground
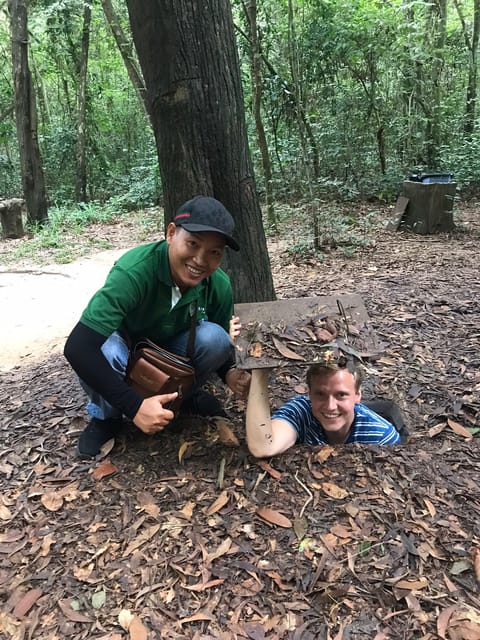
41, 304
185, 535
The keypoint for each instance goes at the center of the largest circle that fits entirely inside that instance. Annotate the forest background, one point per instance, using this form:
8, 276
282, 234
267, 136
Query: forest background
349, 99
343, 101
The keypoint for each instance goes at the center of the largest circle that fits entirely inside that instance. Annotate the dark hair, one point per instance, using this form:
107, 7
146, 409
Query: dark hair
322, 369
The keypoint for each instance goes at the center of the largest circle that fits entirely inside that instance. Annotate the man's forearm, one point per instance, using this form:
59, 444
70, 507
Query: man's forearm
258, 420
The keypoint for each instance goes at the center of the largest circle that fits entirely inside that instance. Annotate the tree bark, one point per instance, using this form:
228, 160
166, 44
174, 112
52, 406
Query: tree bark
11, 217
81, 177
189, 59
33, 180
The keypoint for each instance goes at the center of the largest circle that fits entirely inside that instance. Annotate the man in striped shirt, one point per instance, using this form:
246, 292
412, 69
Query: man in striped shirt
331, 413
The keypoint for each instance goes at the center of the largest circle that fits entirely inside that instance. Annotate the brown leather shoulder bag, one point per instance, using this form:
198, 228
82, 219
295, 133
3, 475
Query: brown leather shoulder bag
152, 370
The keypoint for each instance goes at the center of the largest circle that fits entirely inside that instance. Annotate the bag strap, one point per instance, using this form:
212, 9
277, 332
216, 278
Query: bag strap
193, 326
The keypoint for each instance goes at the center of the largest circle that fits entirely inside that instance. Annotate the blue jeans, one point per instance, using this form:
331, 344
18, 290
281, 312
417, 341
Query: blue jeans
212, 350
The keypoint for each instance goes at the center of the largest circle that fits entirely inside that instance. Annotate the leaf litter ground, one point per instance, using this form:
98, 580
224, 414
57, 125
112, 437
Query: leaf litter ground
185, 535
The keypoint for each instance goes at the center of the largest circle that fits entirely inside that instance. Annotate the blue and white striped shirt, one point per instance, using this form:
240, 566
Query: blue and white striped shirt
367, 428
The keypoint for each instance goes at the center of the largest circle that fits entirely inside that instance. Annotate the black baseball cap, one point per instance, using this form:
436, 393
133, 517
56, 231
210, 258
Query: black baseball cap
203, 213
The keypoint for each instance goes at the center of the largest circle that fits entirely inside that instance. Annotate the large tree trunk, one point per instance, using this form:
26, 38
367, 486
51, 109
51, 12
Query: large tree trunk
188, 55
81, 177
33, 180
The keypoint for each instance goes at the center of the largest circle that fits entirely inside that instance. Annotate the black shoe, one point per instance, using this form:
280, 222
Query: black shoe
201, 403
94, 436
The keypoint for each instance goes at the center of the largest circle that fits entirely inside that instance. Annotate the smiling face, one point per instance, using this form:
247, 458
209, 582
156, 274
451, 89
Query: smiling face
193, 256
333, 394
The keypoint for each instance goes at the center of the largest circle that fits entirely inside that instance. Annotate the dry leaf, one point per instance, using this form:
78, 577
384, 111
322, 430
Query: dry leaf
451, 586
183, 449
9, 625
83, 573
459, 429
282, 348
443, 621
435, 430
152, 510
225, 434
273, 517
460, 625
324, 336
197, 617
220, 502
352, 509
26, 602
104, 469
324, 453
125, 618
187, 510
202, 586
137, 630
301, 389
11, 535
341, 531
278, 580
255, 350
269, 469
221, 550
71, 614
46, 544
106, 448
431, 509
52, 501
334, 491
412, 585
300, 526
143, 537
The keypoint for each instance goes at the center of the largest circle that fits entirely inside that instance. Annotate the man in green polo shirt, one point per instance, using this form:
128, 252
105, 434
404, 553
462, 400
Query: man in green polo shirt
148, 293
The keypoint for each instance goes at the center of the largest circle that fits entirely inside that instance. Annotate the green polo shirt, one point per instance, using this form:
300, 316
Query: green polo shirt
137, 295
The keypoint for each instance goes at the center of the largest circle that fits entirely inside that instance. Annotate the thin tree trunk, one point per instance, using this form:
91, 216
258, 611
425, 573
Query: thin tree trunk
438, 18
290, 87
125, 48
472, 46
33, 180
370, 92
81, 177
305, 130
250, 8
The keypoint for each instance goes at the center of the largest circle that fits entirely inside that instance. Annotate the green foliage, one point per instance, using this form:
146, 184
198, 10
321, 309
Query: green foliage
357, 94
381, 86
121, 157
56, 240
322, 226
77, 230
